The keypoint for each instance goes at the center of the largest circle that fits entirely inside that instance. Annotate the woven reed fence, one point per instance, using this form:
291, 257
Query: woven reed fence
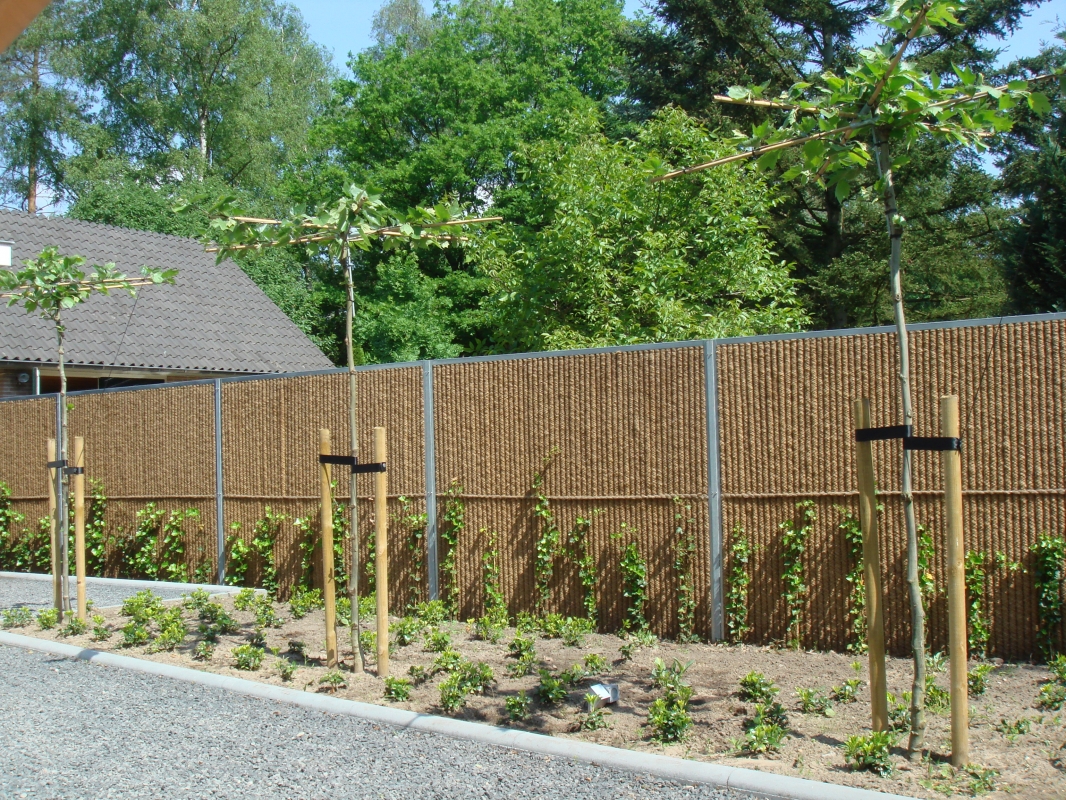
623, 435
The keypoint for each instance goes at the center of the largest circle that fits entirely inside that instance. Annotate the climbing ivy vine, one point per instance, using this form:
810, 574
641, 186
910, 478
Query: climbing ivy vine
1049, 553
684, 556
451, 531
548, 539
736, 602
852, 530
794, 545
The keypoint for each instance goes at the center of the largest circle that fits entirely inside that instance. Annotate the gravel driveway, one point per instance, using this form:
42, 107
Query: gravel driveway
36, 592
77, 730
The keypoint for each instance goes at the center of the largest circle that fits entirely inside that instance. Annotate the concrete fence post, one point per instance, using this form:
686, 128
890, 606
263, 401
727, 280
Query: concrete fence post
714, 487
220, 522
432, 538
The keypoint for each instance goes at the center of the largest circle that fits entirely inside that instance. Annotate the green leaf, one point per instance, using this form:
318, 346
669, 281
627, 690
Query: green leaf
1039, 103
768, 161
842, 190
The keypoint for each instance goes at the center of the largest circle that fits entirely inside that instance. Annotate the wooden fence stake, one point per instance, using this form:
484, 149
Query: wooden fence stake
329, 583
381, 567
957, 647
79, 525
53, 529
871, 559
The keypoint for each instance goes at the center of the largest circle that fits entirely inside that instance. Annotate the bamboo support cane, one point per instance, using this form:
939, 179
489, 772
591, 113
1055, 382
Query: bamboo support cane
957, 647
329, 584
53, 529
871, 559
79, 526
381, 567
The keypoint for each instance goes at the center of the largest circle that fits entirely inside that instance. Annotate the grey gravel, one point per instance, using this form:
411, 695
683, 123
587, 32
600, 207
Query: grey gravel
36, 594
77, 730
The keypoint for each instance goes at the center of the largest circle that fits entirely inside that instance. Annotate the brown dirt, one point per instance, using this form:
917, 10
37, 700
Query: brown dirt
1033, 766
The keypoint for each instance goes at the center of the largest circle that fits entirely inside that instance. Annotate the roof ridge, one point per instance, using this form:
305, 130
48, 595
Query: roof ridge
75, 222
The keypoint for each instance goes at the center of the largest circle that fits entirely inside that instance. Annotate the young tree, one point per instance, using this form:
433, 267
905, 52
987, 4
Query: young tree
835, 127
50, 285
355, 220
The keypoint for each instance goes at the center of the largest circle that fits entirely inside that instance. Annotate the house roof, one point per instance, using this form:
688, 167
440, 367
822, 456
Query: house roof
214, 318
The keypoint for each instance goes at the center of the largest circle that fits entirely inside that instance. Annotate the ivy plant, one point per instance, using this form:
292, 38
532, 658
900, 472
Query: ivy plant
736, 603
793, 547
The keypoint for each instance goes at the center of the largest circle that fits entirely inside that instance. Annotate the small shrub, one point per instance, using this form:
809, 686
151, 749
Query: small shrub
813, 701
871, 752
448, 661
437, 641
333, 680
101, 631
551, 690
134, 634
768, 714
452, 694
467, 678
899, 714
666, 677
368, 605
244, 600
74, 626
487, 629
15, 617
635, 641
525, 623
286, 668
937, 700
204, 651
521, 646
574, 631
406, 631
574, 675
196, 600
518, 707
977, 679
172, 631
595, 664
668, 716
982, 779
143, 606
1012, 730
1052, 696
1057, 666
593, 719
303, 601
762, 739
757, 688
432, 613
418, 674
397, 689
265, 616
847, 692
368, 640
524, 665
247, 657
551, 626
47, 619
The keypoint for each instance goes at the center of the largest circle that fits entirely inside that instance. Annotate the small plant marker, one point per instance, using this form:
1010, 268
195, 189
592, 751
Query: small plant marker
329, 584
871, 559
79, 524
381, 567
957, 648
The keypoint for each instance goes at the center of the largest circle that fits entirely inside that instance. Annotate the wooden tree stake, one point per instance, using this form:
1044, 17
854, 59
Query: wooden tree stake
329, 583
381, 568
53, 528
79, 525
957, 648
871, 559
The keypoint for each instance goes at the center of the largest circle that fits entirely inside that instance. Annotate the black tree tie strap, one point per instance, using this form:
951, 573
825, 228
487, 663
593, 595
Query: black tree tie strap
880, 434
936, 443
353, 464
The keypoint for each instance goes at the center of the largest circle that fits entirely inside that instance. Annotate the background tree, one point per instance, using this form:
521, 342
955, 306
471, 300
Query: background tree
1034, 174
898, 105
41, 109
603, 257
687, 52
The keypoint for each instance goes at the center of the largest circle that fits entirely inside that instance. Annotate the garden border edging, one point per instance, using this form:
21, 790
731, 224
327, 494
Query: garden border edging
758, 783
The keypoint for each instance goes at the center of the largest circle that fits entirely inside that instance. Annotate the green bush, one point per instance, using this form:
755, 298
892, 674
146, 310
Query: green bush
74, 626
134, 634
203, 651
406, 631
757, 688
448, 661
765, 738
871, 752
244, 600
172, 631
847, 692
487, 628
16, 618
668, 715
813, 701
595, 664
247, 657
551, 690
768, 714
286, 668
143, 606
333, 680
593, 718
574, 631
977, 679
437, 641
432, 613
196, 600
518, 707
397, 689
1052, 696
101, 631
303, 601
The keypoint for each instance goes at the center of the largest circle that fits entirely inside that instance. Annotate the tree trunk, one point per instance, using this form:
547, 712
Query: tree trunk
31, 166
62, 478
914, 592
358, 657
203, 142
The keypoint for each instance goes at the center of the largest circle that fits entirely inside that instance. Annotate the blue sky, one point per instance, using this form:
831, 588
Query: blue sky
343, 26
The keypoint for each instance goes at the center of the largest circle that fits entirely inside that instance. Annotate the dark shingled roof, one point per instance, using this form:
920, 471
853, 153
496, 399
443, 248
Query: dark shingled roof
214, 318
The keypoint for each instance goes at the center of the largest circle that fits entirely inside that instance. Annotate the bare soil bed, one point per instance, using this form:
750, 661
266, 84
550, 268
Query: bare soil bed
1029, 763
